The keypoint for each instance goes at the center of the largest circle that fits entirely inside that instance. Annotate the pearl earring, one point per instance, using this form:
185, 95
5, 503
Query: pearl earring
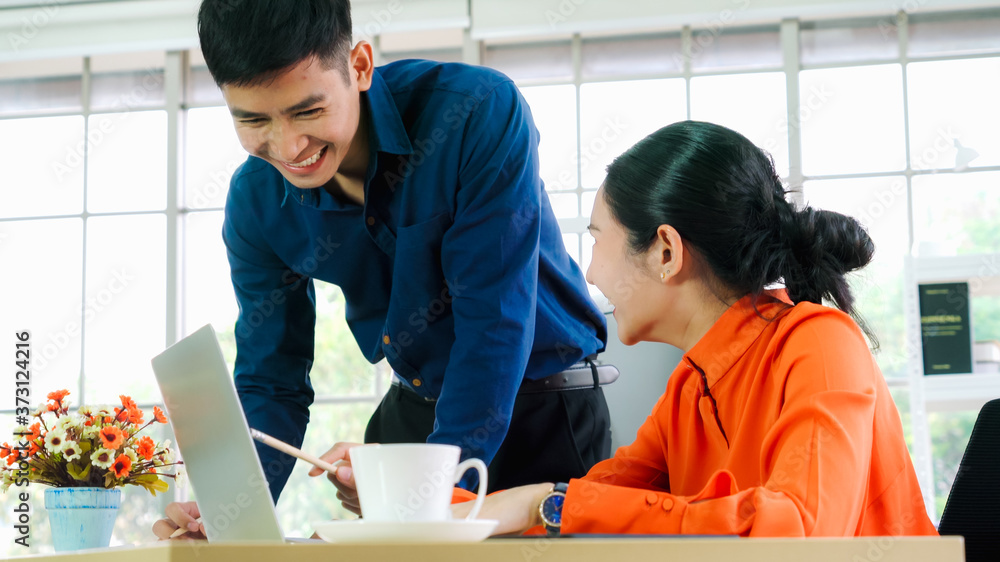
663, 275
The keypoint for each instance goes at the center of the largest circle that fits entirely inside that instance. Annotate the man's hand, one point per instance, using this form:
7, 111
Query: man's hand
516, 509
180, 514
347, 490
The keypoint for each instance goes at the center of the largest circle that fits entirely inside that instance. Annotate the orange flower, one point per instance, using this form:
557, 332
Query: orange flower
122, 466
5, 450
146, 448
58, 395
121, 415
36, 431
33, 448
52, 407
158, 414
135, 416
127, 402
111, 437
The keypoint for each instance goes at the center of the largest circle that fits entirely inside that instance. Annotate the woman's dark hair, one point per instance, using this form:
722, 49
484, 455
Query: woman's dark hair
250, 42
723, 196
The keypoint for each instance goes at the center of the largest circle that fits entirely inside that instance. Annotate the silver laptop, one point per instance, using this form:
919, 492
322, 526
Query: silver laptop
214, 441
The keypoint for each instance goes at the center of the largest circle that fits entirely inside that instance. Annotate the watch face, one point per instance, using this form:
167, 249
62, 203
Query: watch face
552, 509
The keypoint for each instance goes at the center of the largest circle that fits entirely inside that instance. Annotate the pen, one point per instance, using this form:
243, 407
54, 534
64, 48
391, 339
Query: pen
285, 448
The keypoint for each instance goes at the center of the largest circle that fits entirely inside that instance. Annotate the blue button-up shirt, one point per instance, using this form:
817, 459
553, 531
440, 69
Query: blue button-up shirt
454, 269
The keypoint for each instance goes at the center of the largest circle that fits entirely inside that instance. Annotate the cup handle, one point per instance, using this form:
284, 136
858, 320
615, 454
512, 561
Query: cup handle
480, 467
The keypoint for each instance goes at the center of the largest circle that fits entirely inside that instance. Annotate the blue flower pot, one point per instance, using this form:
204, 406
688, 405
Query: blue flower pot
82, 517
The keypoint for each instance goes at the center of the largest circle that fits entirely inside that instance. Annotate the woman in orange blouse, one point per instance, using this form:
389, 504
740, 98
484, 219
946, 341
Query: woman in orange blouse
777, 421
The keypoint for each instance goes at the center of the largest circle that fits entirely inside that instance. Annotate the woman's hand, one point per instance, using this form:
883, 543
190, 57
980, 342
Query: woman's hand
180, 514
347, 490
516, 509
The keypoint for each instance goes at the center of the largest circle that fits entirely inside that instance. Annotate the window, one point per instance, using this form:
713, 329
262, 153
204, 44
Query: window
96, 241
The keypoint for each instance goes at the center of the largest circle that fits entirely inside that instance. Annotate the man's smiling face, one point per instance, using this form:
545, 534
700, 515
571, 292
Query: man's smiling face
303, 121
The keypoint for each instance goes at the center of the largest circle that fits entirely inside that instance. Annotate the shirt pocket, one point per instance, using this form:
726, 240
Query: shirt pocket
417, 278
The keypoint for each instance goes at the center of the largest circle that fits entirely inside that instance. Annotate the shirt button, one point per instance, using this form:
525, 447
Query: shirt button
385, 339
416, 382
668, 504
371, 221
651, 498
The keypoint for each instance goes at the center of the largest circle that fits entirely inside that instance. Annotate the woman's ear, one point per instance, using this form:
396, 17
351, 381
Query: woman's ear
667, 253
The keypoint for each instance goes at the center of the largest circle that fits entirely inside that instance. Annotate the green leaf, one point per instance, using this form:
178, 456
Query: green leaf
151, 482
77, 472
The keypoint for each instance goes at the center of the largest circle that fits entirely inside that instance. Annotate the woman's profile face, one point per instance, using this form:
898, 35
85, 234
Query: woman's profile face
634, 290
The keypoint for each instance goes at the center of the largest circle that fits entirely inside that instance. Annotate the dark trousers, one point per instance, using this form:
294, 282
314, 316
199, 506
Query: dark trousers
553, 436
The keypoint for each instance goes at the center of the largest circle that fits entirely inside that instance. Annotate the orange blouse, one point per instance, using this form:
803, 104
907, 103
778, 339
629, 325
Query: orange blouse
782, 428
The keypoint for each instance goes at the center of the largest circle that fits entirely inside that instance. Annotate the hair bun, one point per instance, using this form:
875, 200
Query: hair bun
838, 240
823, 246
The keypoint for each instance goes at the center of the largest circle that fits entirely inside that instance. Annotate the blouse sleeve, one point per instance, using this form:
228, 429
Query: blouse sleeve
814, 460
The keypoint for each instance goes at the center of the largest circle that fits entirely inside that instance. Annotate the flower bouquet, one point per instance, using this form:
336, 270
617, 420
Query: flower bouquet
96, 447
86, 457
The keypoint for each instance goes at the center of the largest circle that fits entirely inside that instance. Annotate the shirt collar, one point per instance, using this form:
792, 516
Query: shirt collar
733, 333
386, 133
386, 126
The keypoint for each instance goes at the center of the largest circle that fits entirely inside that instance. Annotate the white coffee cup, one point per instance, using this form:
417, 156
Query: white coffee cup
411, 481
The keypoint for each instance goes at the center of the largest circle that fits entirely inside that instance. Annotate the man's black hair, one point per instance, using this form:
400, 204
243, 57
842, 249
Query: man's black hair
251, 42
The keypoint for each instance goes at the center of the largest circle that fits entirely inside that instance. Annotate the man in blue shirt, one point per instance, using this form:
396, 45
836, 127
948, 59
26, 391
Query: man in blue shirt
415, 188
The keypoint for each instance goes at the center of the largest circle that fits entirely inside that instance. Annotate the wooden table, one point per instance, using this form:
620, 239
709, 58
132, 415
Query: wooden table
693, 549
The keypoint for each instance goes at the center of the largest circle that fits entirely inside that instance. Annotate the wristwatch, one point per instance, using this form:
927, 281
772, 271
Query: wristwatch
551, 509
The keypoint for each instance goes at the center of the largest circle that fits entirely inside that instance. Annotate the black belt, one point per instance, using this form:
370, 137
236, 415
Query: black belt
585, 374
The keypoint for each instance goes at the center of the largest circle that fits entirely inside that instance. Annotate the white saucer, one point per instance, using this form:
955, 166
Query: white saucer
359, 530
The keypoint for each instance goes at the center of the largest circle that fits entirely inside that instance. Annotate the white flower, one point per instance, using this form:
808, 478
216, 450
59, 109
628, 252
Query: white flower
54, 439
102, 458
6, 480
168, 455
21, 432
90, 431
64, 423
86, 410
131, 454
70, 450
